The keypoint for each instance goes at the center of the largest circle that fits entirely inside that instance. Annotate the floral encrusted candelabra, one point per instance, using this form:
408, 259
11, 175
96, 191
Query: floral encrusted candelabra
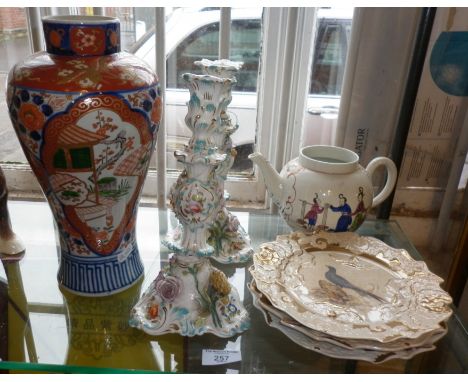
190, 296
230, 242
194, 200
212, 127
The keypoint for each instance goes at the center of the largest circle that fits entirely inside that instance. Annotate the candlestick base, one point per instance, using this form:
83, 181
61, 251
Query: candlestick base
190, 297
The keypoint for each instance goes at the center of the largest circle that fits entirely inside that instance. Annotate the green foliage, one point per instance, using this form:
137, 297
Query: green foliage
70, 194
218, 234
106, 180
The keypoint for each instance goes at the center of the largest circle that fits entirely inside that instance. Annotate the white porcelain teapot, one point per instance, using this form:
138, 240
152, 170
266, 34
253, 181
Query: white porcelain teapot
325, 187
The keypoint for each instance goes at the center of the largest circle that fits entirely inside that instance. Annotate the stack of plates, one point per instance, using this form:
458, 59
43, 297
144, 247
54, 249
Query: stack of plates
349, 296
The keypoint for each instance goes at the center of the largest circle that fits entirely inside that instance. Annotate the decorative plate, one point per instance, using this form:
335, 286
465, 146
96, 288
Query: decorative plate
331, 350
286, 320
351, 287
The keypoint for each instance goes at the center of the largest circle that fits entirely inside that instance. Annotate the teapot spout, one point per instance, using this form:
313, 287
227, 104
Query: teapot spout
271, 177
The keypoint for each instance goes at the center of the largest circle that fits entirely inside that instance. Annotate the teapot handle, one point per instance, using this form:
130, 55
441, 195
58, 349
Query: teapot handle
391, 177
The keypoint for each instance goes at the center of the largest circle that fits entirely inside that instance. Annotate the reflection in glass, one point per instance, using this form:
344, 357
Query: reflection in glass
20, 346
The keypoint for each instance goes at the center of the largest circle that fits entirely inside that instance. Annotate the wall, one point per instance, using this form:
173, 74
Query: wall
12, 19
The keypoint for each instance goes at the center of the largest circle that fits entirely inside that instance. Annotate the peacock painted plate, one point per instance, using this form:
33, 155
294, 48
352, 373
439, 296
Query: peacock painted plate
351, 287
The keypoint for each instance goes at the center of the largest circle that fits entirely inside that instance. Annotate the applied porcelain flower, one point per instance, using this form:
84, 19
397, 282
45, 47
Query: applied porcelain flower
168, 287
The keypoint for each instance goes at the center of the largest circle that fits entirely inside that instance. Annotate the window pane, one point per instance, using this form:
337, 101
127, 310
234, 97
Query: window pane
328, 61
245, 47
14, 47
330, 50
329, 58
191, 35
14, 41
204, 43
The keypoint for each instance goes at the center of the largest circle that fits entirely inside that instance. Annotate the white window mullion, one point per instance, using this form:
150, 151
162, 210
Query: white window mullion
270, 81
349, 76
224, 33
35, 28
160, 50
284, 78
303, 33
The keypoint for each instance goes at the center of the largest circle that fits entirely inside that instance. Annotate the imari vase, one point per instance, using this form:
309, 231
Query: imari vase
86, 116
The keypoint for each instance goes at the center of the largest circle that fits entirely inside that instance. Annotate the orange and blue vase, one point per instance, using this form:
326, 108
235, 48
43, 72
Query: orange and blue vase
86, 115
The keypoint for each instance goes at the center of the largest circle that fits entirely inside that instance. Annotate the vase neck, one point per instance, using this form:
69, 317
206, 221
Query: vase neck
81, 35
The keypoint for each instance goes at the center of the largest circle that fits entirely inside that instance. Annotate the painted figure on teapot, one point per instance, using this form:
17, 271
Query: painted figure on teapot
325, 187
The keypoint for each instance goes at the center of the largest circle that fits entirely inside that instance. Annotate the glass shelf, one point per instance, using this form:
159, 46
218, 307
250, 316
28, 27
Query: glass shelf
43, 328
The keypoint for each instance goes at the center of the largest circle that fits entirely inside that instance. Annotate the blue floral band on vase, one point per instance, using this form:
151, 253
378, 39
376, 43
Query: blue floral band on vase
79, 36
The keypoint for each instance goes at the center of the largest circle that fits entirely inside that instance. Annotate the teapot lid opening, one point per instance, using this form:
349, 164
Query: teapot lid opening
329, 159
